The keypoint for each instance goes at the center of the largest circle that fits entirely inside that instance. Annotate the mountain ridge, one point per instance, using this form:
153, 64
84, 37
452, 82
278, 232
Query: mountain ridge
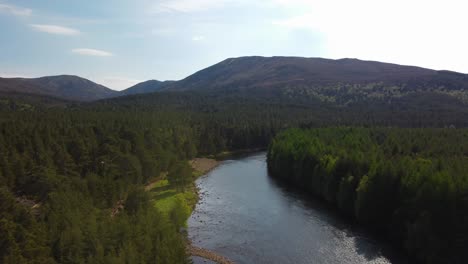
69, 87
149, 86
320, 70
343, 80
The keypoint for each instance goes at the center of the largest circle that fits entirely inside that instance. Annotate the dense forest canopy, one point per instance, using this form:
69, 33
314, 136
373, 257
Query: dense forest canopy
415, 110
410, 185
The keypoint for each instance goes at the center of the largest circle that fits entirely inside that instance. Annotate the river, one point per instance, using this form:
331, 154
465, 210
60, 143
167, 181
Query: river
248, 217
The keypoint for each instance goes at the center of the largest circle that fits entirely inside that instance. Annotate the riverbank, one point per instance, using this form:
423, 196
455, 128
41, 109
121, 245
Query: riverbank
202, 166
235, 153
207, 254
165, 197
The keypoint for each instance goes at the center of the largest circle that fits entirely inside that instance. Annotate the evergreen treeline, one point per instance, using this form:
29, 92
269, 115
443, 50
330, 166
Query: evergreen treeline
61, 175
410, 185
412, 110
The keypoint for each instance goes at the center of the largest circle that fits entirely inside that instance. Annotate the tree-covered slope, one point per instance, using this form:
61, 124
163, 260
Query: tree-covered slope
414, 110
410, 185
61, 175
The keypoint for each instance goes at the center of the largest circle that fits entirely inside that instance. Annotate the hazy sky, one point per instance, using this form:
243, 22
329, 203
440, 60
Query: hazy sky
118, 43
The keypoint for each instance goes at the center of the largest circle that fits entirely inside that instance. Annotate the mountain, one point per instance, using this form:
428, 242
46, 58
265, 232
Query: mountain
146, 87
67, 87
341, 81
245, 72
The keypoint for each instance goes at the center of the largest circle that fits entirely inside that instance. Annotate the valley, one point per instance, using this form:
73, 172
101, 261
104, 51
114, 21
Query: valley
220, 131
114, 172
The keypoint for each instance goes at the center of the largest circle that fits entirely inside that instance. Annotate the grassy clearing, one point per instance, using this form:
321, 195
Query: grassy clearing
165, 197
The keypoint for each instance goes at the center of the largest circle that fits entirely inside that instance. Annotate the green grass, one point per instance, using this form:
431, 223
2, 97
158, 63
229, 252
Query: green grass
164, 196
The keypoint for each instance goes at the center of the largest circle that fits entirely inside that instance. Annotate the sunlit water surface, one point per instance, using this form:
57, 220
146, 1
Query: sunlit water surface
248, 217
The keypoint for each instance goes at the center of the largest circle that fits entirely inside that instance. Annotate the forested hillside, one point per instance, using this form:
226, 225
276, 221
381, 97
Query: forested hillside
61, 175
410, 185
418, 110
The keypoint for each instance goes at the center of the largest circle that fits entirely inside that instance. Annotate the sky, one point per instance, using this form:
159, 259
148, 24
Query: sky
119, 43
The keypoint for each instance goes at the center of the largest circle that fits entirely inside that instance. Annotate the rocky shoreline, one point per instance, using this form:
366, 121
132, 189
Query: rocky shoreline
202, 166
207, 254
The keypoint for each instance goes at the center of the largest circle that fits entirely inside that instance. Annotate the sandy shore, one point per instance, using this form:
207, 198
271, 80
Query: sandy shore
203, 165
207, 254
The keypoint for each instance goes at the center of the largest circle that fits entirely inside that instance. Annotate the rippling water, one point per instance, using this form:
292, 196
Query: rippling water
246, 216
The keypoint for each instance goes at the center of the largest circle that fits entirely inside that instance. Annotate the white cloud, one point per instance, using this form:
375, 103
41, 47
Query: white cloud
420, 32
190, 6
54, 29
187, 6
198, 38
92, 52
14, 10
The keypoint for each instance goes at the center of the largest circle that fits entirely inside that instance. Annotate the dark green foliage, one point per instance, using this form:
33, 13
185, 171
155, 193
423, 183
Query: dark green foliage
137, 200
180, 175
408, 184
23, 239
61, 173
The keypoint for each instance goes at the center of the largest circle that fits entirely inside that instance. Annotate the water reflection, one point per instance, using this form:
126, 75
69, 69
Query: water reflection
251, 218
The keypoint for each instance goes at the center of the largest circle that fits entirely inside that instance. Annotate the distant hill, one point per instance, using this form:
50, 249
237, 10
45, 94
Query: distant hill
67, 87
340, 81
146, 87
301, 80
